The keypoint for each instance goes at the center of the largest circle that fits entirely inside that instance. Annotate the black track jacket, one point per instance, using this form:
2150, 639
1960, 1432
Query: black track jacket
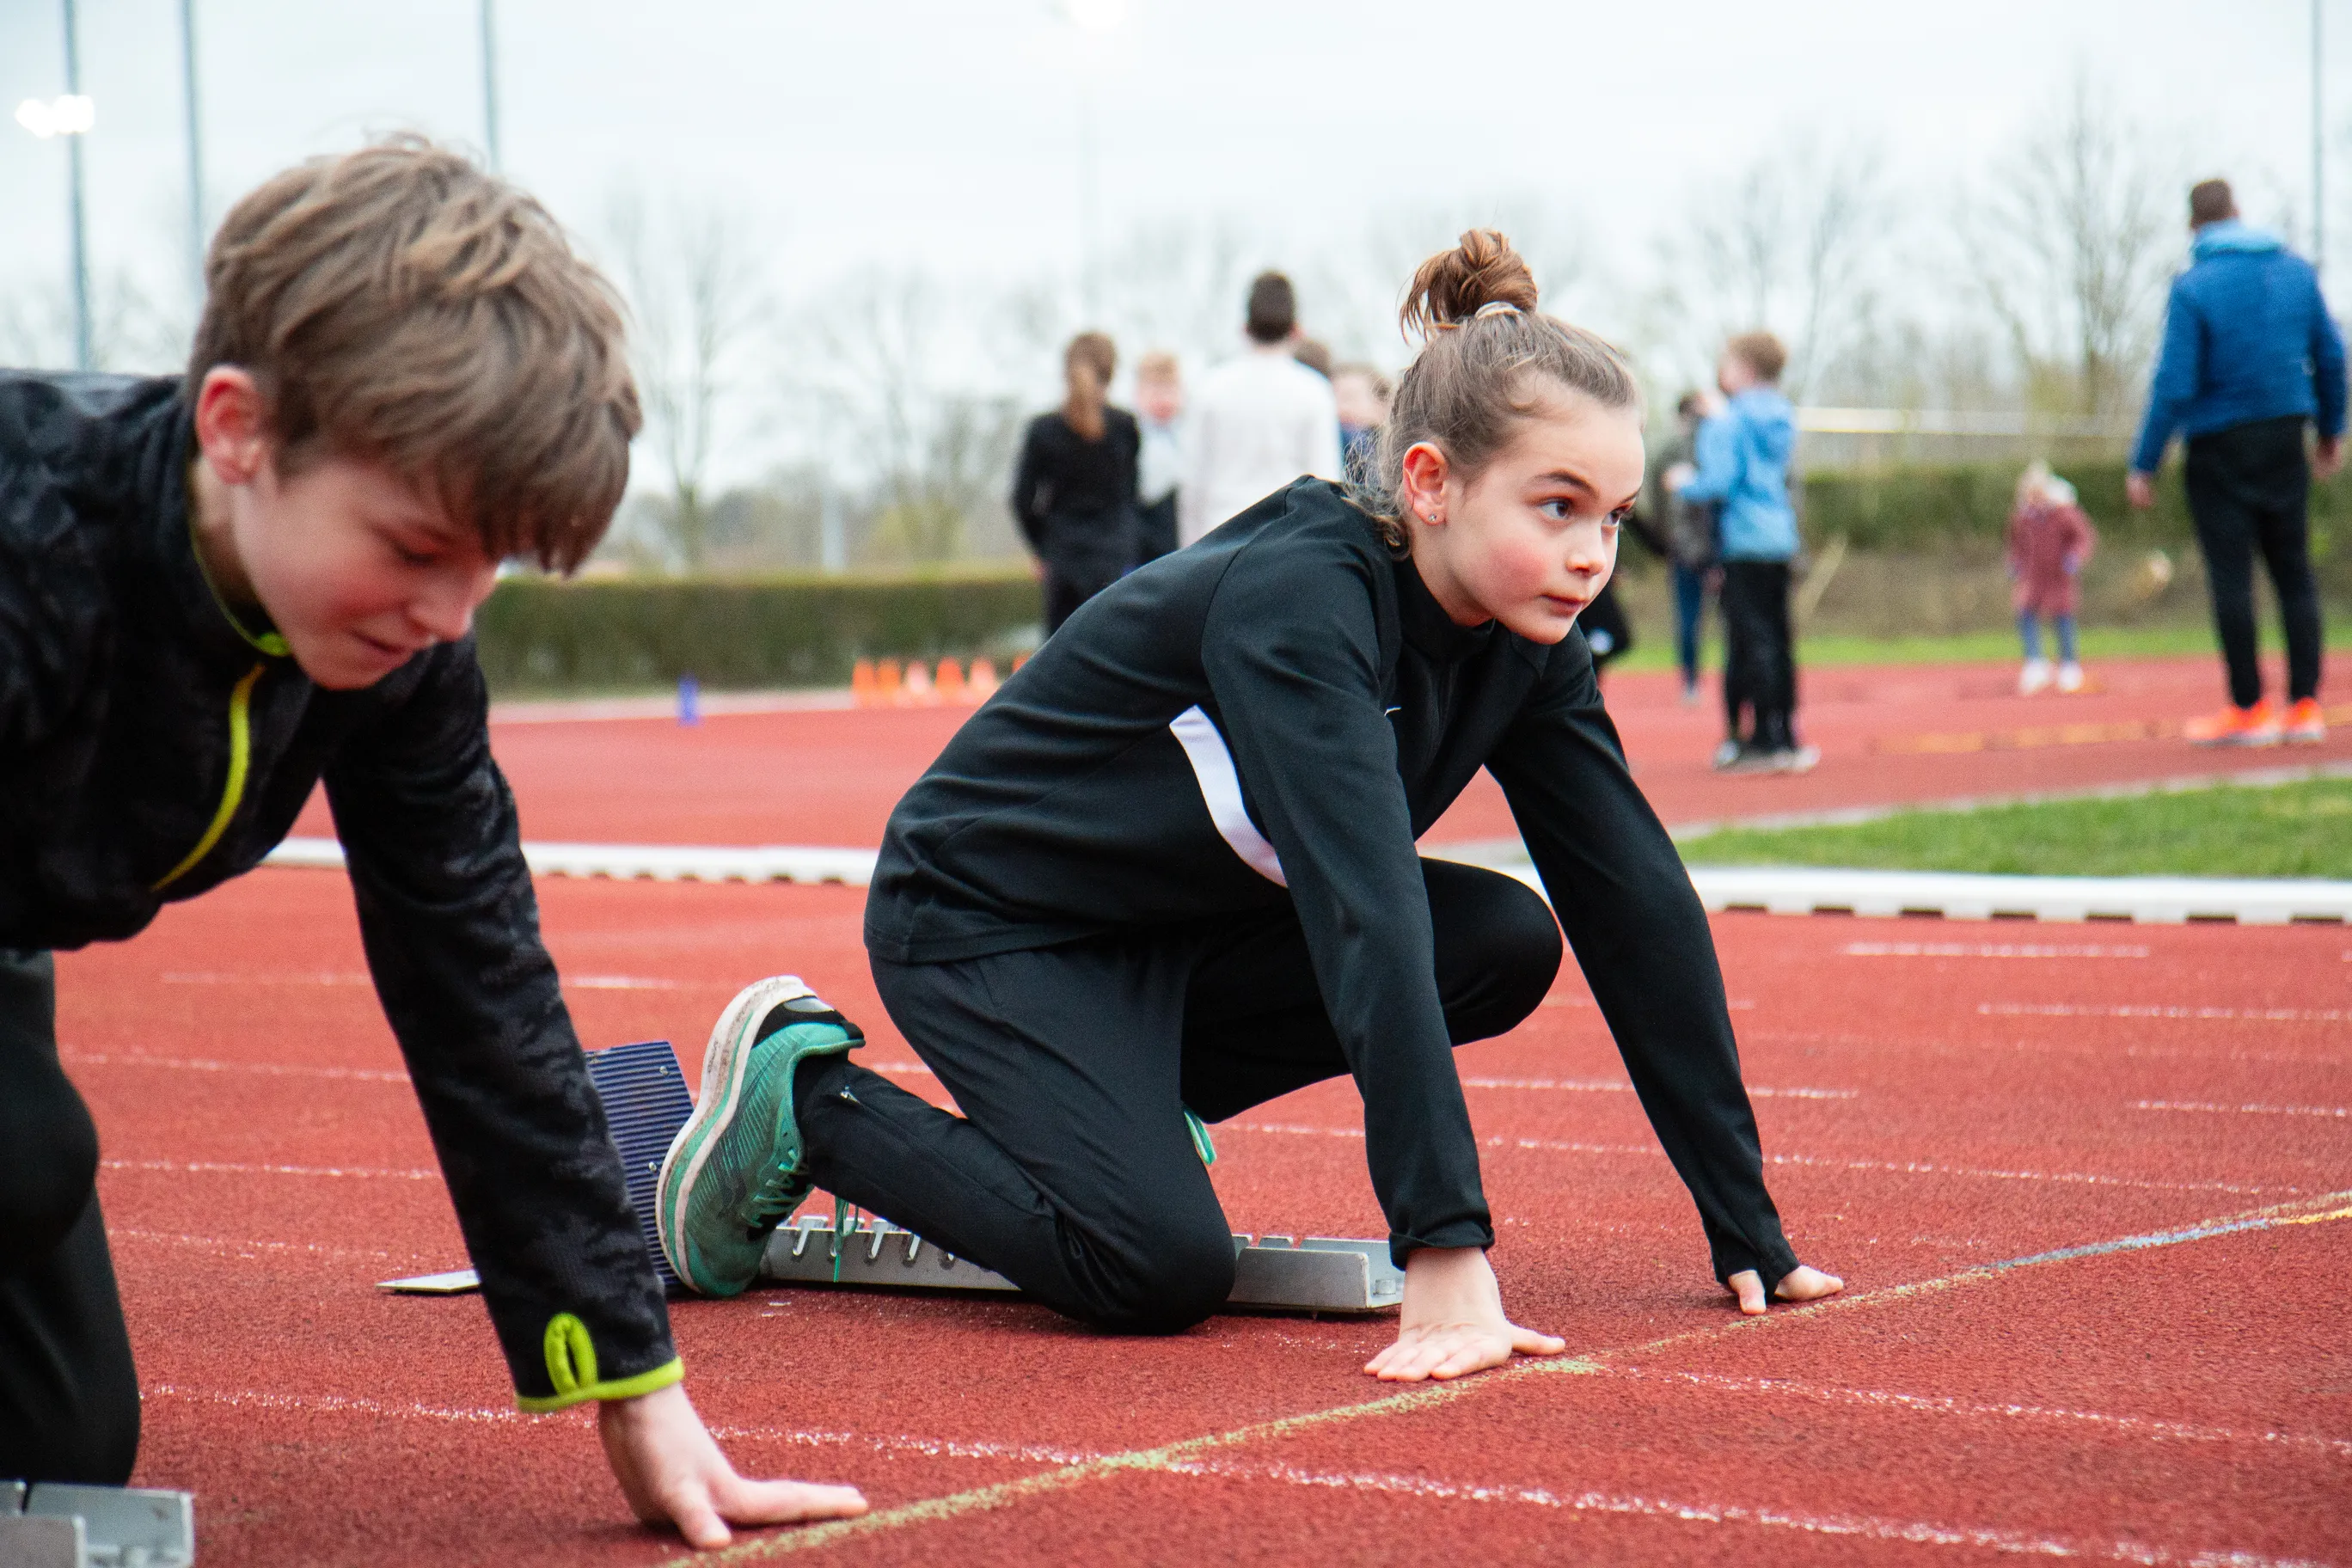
126, 695
1278, 713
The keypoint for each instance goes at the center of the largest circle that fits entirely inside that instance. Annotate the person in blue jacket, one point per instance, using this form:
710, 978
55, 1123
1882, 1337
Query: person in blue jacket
2251, 356
1740, 466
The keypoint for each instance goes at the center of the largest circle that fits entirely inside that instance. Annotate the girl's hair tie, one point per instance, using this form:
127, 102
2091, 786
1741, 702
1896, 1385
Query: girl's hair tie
1495, 307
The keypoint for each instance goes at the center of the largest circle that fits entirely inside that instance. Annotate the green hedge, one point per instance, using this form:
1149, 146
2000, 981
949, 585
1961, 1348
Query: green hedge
1965, 508
539, 634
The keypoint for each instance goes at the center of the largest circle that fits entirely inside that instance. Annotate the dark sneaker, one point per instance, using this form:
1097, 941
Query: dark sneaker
734, 1172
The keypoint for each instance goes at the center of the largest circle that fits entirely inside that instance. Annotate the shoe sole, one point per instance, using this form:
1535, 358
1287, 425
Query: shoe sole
724, 1061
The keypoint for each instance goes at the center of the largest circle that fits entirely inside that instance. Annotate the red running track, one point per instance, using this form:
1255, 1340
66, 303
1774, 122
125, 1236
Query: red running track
1935, 1097
830, 776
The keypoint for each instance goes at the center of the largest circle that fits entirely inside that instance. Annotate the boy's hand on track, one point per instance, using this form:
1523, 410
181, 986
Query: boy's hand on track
1453, 1323
1803, 1284
672, 1472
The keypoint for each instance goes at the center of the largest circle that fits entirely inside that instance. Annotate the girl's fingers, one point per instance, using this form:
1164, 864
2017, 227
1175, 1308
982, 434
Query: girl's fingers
1750, 1288
1526, 1341
697, 1521
785, 1502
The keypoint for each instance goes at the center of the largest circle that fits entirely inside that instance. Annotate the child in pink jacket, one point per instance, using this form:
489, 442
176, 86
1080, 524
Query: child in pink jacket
2049, 540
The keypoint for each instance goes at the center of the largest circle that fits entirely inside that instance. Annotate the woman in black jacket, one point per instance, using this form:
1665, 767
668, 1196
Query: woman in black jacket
1169, 873
1074, 494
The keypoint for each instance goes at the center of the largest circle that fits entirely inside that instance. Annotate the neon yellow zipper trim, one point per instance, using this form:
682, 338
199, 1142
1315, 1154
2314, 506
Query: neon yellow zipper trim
240, 755
572, 1369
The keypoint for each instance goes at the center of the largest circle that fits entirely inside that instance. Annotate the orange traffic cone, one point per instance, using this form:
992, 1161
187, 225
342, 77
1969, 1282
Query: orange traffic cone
983, 679
861, 683
889, 682
950, 681
919, 690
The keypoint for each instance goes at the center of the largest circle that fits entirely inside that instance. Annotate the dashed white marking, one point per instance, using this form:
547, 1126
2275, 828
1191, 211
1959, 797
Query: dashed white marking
218, 1167
2135, 1426
1610, 1086
1989, 949
2338, 1112
247, 1248
198, 1064
333, 1404
217, 978
2221, 1014
1896, 1167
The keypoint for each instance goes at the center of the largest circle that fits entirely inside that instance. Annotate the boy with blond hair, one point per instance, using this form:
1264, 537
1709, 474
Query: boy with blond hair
217, 590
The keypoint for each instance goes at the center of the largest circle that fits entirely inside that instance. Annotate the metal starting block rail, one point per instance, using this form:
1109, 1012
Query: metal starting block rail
645, 1102
52, 1525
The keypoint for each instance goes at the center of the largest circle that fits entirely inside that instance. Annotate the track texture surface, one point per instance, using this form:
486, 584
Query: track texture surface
1936, 1099
1887, 736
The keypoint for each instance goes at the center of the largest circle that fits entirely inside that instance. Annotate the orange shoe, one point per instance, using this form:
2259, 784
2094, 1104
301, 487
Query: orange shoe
2255, 726
2306, 725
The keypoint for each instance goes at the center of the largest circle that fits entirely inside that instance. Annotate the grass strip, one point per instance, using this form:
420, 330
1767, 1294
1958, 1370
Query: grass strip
2299, 829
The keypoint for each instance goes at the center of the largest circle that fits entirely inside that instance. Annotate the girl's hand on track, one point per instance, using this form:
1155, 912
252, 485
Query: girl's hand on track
672, 1472
1803, 1284
1453, 1323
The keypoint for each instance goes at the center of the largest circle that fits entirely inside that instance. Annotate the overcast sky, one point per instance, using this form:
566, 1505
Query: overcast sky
945, 133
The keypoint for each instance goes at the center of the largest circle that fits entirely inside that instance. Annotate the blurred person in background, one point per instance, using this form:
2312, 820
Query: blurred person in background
1315, 356
2050, 539
1741, 467
1159, 405
1683, 530
1258, 421
1074, 493
1361, 392
2251, 356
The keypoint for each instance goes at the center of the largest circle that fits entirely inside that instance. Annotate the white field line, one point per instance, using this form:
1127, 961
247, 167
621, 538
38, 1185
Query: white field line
218, 1167
1608, 1086
1913, 1533
1831, 1162
349, 977
1197, 1451
2338, 1112
1988, 950
198, 1064
1928, 1404
233, 1245
2125, 1010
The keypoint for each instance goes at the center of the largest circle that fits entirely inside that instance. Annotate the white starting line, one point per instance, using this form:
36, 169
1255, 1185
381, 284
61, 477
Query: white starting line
1780, 890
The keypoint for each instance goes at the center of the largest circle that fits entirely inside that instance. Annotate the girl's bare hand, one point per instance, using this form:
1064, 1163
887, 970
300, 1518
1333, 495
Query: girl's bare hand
1803, 1284
673, 1473
1453, 1323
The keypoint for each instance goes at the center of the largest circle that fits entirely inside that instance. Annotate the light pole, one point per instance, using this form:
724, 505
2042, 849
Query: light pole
69, 116
490, 81
2319, 142
195, 150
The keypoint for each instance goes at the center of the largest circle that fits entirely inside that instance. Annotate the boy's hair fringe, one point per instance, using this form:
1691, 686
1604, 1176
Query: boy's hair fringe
1488, 362
398, 305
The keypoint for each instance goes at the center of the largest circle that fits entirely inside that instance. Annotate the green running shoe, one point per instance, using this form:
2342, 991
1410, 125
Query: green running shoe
734, 1171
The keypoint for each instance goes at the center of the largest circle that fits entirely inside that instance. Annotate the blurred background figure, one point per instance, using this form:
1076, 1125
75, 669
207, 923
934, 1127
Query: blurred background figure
1258, 421
1681, 529
2250, 357
1158, 409
1075, 491
1742, 469
1315, 356
2050, 539
1361, 392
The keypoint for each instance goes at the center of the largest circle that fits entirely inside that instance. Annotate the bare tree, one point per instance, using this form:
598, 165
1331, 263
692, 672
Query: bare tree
1796, 242
2071, 245
697, 299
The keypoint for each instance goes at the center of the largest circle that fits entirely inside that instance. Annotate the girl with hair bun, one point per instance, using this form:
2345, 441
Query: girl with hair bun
1169, 873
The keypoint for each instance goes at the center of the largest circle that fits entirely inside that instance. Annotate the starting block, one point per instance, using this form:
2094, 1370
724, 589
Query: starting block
647, 1101
51, 1525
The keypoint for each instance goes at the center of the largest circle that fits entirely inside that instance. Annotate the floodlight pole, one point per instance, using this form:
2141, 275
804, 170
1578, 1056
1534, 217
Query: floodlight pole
83, 359
2319, 146
490, 80
195, 150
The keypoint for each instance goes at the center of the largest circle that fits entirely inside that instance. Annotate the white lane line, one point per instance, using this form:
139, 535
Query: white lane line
2218, 1014
2338, 1112
1988, 950
1867, 1526
330, 1404
347, 978
1831, 1162
233, 1245
1932, 1405
218, 1167
198, 1064
1607, 1085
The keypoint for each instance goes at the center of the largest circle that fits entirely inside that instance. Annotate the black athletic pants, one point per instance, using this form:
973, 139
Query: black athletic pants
1760, 666
69, 1394
2248, 488
1071, 1171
